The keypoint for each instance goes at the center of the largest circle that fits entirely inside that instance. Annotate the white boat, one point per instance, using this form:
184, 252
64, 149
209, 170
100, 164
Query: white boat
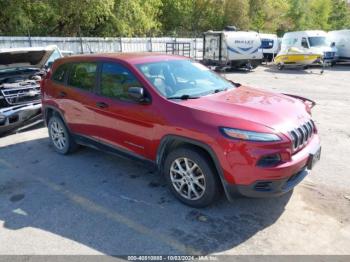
306, 48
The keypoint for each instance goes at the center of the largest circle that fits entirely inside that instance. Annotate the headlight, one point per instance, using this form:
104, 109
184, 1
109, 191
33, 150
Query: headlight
249, 135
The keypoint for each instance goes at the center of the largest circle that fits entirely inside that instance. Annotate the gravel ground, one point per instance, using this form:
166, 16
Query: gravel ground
95, 203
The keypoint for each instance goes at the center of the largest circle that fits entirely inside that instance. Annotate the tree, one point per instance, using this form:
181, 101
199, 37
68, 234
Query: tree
277, 20
297, 15
258, 14
167, 17
14, 17
191, 17
80, 17
174, 16
340, 15
236, 12
137, 17
320, 11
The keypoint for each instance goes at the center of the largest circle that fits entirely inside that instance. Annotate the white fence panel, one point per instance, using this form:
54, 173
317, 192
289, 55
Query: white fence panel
104, 45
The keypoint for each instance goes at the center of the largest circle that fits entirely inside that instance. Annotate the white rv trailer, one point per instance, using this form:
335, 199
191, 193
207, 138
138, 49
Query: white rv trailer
270, 46
341, 38
230, 48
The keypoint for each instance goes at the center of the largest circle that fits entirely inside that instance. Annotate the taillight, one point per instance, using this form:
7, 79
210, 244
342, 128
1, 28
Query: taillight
48, 74
46, 77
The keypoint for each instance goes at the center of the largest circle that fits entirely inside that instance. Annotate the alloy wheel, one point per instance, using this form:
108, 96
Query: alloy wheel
58, 135
187, 178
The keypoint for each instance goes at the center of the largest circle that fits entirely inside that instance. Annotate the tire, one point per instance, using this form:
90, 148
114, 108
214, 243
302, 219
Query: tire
60, 138
280, 66
202, 181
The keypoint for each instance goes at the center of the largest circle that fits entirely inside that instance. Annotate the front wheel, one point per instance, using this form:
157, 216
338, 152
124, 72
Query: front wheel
60, 137
191, 178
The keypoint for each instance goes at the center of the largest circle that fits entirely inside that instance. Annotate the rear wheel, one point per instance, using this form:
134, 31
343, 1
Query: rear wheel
60, 137
191, 178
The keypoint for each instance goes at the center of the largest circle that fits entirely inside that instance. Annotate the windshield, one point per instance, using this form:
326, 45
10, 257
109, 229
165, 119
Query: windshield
183, 77
318, 41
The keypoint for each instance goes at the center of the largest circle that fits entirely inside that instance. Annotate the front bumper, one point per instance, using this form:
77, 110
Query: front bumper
268, 188
253, 181
16, 116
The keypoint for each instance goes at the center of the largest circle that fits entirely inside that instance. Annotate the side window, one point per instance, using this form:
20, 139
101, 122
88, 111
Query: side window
83, 75
60, 73
116, 80
304, 43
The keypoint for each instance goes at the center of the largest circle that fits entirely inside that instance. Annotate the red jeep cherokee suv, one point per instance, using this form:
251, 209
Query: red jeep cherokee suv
203, 132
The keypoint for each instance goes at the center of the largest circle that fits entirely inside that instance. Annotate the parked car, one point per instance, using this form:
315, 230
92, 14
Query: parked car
21, 70
233, 49
204, 133
341, 39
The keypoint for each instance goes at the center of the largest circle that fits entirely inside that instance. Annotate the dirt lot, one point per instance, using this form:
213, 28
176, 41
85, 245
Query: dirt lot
92, 203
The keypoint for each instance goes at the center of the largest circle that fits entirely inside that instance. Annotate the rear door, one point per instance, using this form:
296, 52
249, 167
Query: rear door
122, 121
76, 97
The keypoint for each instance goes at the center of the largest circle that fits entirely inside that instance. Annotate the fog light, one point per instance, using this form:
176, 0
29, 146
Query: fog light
2, 118
270, 160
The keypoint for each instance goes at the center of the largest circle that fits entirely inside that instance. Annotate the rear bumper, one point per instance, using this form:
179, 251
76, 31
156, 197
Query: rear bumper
16, 116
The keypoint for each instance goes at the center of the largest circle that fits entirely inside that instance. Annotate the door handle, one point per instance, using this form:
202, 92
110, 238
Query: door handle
62, 94
101, 105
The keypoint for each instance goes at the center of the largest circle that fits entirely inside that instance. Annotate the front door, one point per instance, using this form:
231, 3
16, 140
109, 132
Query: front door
122, 121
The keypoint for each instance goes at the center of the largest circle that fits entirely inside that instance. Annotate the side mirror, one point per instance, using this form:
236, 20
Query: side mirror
138, 94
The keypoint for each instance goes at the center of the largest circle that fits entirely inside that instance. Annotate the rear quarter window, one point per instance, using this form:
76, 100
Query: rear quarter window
83, 75
60, 73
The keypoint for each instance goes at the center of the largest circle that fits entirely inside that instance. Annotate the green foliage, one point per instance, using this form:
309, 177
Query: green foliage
298, 14
340, 16
167, 17
320, 11
136, 17
236, 12
258, 10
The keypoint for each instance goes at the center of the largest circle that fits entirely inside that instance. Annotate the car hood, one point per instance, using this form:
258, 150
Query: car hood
33, 57
277, 111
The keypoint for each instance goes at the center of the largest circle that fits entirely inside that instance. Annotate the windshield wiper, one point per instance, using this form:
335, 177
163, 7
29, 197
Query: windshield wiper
183, 97
235, 84
220, 90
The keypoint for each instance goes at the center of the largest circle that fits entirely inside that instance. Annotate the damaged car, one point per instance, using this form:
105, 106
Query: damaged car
21, 70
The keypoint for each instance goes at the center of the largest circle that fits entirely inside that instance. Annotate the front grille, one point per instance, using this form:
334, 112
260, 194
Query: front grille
301, 135
263, 186
15, 96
